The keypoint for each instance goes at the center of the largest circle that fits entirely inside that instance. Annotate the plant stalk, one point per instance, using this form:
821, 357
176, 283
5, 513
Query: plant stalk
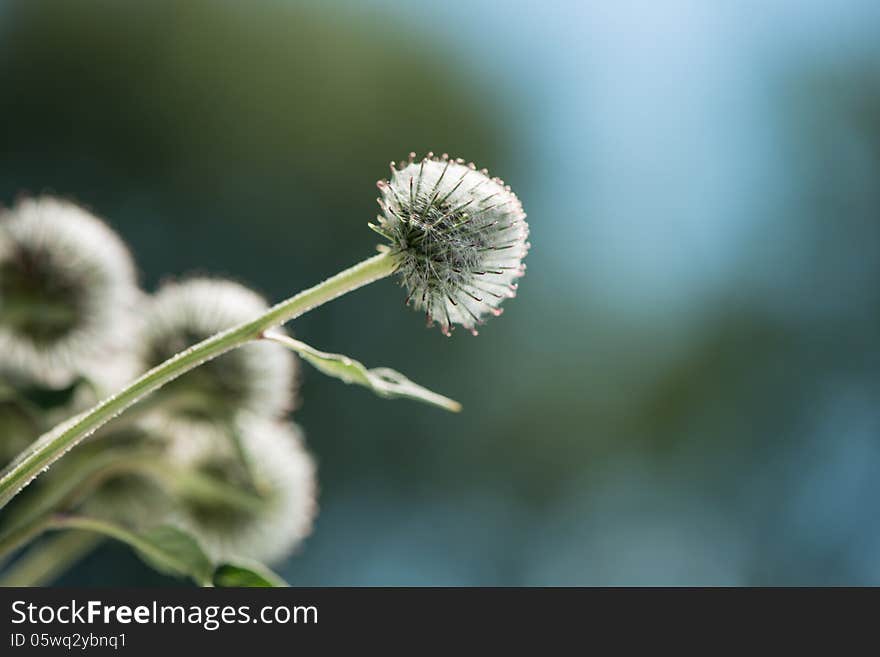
48, 448
44, 562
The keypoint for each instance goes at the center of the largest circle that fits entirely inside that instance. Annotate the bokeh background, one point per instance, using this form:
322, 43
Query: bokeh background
686, 390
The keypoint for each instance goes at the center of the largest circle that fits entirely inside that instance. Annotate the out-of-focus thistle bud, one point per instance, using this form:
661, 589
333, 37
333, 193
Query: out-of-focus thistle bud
67, 285
258, 377
461, 236
130, 498
282, 473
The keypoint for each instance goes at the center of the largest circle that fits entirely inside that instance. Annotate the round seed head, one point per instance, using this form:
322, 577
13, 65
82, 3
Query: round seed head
67, 286
257, 377
284, 475
461, 237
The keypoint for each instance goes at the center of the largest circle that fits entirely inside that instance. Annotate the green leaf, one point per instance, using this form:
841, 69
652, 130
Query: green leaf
383, 381
168, 549
250, 575
174, 552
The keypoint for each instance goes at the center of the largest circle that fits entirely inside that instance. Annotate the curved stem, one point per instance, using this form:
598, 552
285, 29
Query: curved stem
44, 562
77, 483
23, 535
105, 528
51, 446
35, 518
41, 515
155, 554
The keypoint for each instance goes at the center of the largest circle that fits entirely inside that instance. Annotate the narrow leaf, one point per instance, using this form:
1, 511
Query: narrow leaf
167, 549
383, 381
175, 552
246, 574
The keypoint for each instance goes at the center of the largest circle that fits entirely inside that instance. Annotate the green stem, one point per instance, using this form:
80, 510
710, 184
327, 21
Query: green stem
40, 516
51, 446
28, 523
23, 535
78, 482
154, 554
47, 560
108, 529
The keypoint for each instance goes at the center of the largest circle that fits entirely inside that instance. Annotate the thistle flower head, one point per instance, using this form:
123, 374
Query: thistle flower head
283, 473
460, 235
67, 281
258, 377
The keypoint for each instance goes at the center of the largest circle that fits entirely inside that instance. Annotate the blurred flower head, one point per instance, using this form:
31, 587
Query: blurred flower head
131, 498
258, 377
283, 474
67, 285
461, 236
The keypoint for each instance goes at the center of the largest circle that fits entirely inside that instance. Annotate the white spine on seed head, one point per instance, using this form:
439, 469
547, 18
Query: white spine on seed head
460, 235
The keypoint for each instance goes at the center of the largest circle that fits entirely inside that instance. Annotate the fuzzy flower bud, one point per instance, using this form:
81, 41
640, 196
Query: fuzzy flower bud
258, 377
461, 237
284, 475
67, 284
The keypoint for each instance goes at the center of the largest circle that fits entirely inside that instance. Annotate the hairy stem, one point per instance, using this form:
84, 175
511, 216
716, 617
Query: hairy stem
51, 446
78, 482
41, 514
